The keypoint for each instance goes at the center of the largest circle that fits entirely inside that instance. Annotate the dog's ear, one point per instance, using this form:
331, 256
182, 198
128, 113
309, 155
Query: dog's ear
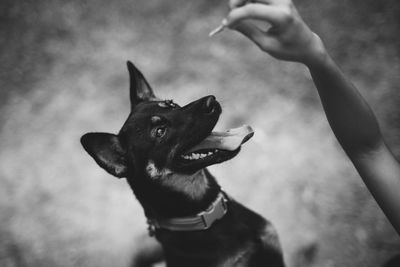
107, 151
139, 88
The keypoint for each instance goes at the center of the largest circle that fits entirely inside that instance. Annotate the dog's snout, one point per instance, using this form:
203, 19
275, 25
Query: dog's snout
205, 106
209, 104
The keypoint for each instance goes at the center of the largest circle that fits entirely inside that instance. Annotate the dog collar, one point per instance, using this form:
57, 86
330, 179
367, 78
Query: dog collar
200, 221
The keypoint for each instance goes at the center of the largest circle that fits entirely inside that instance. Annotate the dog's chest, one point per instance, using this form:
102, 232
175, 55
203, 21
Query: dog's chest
241, 258
233, 241
229, 254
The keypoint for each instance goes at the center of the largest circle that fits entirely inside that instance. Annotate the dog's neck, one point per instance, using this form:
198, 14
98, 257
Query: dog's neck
194, 186
168, 194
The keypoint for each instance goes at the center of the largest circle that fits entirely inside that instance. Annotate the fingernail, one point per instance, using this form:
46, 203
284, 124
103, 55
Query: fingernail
219, 29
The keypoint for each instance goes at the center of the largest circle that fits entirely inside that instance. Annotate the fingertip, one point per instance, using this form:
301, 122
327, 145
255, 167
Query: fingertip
231, 18
236, 15
236, 3
224, 22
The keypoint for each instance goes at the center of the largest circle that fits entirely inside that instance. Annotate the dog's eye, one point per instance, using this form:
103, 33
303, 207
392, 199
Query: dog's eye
160, 131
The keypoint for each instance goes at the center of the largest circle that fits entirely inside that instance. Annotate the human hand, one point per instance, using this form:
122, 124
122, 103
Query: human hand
287, 38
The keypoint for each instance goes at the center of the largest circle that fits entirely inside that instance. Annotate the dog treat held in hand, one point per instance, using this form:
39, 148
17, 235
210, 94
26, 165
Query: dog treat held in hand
219, 29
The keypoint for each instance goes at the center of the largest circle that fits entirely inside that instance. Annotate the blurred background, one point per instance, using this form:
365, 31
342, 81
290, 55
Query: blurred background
63, 74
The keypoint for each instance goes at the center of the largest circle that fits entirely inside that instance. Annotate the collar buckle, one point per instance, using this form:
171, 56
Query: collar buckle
215, 212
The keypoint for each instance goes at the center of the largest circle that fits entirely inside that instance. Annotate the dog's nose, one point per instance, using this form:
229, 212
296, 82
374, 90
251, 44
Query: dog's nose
209, 104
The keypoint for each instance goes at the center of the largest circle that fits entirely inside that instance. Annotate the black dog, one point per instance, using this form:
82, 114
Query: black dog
162, 150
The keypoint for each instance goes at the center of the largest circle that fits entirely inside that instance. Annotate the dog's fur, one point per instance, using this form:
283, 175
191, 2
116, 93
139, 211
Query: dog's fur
147, 152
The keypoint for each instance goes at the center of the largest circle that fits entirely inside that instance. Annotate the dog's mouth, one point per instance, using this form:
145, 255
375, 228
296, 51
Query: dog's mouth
217, 147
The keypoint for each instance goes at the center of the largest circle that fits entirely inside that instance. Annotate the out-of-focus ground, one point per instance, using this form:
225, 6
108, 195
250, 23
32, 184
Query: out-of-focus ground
62, 74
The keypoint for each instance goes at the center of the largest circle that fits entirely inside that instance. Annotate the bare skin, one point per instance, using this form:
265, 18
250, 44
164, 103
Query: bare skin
351, 118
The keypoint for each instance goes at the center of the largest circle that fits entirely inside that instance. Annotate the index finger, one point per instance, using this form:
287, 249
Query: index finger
263, 12
239, 3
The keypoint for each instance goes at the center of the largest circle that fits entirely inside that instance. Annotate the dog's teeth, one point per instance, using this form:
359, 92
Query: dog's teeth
186, 156
195, 156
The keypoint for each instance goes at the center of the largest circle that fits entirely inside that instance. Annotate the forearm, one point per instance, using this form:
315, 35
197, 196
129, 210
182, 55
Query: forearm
381, 173
349, 115
357, 130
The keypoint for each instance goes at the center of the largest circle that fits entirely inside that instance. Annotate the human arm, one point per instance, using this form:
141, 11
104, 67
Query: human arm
356, 128
349, 115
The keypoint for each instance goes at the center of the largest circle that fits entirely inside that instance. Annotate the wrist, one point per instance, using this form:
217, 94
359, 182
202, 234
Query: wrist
318, 56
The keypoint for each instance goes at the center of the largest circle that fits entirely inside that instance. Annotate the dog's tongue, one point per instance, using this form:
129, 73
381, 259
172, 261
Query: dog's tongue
229, 140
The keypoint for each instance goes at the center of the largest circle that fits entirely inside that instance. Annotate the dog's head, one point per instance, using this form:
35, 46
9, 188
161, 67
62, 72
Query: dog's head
161, 138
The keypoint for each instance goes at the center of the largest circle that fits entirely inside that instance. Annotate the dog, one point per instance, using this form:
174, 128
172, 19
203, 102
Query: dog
163, 150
